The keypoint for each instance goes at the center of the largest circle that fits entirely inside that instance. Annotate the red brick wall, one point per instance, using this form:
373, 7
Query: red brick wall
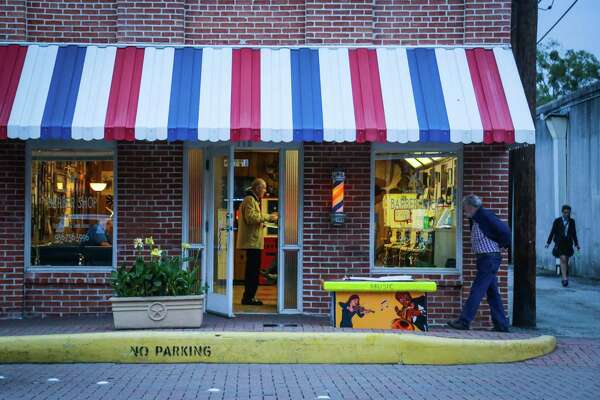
333, 252
150, 196
419, 22
487, 21
66, 293
150, 175
252, 22
337, 21
72, 21
261, 22
12, 20
150, 21
12, 215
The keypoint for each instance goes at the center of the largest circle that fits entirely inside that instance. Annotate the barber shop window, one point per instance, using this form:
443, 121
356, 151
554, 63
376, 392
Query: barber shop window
72, 207
415, 210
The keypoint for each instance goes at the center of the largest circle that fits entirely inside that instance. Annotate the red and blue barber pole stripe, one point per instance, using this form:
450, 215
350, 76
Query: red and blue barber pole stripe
337, 199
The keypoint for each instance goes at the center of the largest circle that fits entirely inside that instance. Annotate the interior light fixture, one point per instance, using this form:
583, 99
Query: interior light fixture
425, 161
98, 186
413, 162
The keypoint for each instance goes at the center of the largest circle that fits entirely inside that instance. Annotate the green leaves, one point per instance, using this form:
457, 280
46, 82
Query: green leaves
561, 74
163, 276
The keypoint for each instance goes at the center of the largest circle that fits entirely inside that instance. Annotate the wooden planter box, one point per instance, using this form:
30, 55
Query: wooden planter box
158, 312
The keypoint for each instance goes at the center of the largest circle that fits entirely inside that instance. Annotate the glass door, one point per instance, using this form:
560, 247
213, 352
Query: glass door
220, 230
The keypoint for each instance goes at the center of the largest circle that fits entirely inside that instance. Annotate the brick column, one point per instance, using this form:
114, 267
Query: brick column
486, 175
12, 215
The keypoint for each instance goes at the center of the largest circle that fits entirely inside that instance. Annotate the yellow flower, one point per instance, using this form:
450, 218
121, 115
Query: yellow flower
138, 243
156, 252
185, 246
149, 241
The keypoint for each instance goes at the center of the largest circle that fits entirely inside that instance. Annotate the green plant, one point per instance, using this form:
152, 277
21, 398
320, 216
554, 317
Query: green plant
157, 274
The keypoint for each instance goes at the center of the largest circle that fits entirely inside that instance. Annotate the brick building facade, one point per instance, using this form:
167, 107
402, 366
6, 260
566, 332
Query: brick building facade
328, 252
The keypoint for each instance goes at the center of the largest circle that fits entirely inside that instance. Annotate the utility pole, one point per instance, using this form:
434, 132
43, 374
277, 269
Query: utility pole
522, 169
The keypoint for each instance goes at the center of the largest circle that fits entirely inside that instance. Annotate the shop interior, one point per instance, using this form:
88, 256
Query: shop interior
415, 211
250, 165
71, 212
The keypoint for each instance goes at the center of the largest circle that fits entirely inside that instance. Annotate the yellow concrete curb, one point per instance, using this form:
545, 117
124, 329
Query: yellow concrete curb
266, 348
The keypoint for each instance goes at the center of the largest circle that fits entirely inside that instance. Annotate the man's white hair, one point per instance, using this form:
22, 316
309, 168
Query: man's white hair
472, 200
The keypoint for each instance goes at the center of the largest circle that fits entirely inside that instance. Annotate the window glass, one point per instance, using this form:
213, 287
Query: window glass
71, 208
415, 210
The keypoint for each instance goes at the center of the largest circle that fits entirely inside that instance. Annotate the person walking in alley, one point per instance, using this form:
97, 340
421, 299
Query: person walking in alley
251, 237
564, 235
488, 236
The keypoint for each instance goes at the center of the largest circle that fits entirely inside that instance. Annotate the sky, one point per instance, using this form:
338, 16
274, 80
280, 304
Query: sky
579, 29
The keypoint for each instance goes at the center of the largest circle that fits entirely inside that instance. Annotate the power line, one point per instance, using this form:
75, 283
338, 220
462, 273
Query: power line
557, 21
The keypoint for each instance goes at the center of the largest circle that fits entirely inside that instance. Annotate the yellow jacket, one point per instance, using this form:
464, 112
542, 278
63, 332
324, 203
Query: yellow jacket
250, 225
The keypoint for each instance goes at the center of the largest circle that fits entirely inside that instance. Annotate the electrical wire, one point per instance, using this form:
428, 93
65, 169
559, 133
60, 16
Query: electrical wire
557, 21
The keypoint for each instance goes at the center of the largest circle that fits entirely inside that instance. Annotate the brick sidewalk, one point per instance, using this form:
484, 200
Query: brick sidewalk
572, 371
244, 323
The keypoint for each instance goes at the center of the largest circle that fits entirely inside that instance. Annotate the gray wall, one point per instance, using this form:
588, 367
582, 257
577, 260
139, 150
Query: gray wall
582, 178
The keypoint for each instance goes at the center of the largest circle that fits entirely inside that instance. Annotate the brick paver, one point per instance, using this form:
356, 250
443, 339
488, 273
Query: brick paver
529, 380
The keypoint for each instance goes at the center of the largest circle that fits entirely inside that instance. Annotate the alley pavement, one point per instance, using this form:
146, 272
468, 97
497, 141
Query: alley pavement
571, 371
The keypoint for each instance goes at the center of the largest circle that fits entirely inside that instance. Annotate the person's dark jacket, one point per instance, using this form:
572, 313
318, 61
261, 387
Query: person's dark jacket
558, 233
492, 227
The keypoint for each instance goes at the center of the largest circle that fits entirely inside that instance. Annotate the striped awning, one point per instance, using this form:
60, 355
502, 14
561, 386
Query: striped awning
269, 94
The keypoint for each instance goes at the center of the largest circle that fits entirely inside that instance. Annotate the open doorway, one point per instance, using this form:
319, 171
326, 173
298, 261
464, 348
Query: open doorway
248, 166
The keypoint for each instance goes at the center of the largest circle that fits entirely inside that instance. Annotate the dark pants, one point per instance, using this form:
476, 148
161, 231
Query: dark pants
252, 270
486, 282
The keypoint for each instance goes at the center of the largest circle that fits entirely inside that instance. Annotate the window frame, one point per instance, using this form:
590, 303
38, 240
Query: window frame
68, 145
456, 148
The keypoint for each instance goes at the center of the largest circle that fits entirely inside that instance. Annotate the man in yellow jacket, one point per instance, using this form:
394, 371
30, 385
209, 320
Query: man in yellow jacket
251, 237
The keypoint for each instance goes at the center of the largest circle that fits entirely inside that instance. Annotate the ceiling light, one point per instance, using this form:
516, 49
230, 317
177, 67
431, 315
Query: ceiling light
98, 186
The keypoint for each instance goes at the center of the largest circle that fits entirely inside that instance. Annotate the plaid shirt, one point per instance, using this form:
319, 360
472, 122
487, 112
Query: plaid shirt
481, 244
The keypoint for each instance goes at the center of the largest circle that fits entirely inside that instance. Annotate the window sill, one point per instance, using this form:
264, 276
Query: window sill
51, 269
414, 271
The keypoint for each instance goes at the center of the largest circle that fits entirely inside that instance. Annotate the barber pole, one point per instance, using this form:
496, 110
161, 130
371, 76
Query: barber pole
337, 199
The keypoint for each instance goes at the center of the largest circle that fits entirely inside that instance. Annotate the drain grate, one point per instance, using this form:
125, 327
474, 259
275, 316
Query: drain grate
272, 325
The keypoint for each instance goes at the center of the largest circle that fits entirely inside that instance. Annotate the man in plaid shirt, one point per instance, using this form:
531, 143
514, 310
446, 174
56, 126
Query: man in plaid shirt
488, 236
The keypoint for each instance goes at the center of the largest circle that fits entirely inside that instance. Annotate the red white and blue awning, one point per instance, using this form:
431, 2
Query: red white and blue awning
269, 94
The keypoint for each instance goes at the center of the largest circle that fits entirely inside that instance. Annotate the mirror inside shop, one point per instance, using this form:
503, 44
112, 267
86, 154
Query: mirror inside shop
71, 211
415, 210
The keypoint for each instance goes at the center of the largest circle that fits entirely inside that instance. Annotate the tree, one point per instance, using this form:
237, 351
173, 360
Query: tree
559, 74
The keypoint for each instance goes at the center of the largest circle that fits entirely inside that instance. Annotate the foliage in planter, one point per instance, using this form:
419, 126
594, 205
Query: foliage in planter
157, 274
